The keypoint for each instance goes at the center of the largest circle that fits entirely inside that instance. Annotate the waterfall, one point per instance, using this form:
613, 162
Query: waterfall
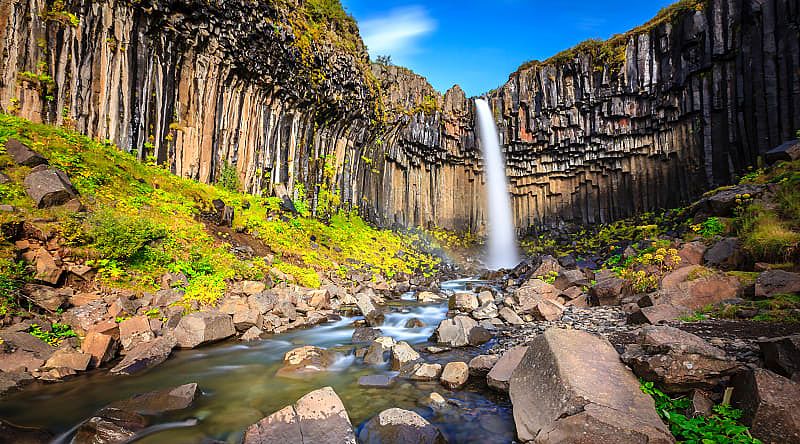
502, 240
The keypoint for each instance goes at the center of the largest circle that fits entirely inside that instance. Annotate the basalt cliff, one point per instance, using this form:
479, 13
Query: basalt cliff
284, 92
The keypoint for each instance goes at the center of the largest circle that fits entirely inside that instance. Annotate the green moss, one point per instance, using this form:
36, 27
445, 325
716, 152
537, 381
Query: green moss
766, 236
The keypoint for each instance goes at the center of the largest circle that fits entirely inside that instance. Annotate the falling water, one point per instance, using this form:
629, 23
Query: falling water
502, 240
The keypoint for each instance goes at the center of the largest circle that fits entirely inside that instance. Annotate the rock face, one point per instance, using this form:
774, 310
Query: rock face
770, 405
502, 370
677, 360
145, 355
318, 417
588, 137
401, 427
571, 384
202, 328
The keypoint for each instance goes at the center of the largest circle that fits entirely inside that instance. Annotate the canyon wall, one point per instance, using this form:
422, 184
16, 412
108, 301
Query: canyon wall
199, 85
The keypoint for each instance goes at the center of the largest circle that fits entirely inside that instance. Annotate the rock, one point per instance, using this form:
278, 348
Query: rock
252, 334
455, 375
365, 334
510, 316
725, 254
425, 372
4, 179
455, 332
723, 202
700, 292
69, 358
23, 435
47, 270
533, 292
203, 328
372, 314
427, 297
548, 265
159, 401
479, 335
608, 291
677, 360
399, 426
24, 342
46, 297
379, 347
548, 310
465, 302
772, 282
435, 401
251, 288
414, 323
135, 331
702, 404
487, 311
571, 384
376, 381
22, 155
110, 426
501, 372
656, 314
49, 188
319, 299
787, 151
318, 417
485, 297
262, 302
100, 347
145, 355
402, 355
770, 405
691, 253
12, 380
570, 278
782, 355
245, 318
481, 365
304, 361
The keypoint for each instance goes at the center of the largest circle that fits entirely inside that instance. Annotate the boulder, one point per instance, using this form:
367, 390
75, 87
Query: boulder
773, 282
135, 331
570, 278
414, 323
262, 302
725, 254
376, 381
399, 426
318, 417
22, 155
426, 297
100, 347
455, 375
691, 253
548, 265
481, 365
501, 372
110, 426
724, 201
203, 328
159, 401
69, 358
510, 316
698, 293
656, 314
770, 405
245, 317
532, 292
608, 291
465, 302
677, 360
782, 355
548, 310
145, 355
49, 188
372, 314
304, 361
425, 372
486, 311
571, 385
252, 334
47, 271
378, 349
485, 297
460, 331
49, 298
251, 288
365, 334
787, 151
402, 355
12, 380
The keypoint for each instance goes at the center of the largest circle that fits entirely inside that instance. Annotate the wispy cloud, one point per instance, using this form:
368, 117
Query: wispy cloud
397, 32
590, 23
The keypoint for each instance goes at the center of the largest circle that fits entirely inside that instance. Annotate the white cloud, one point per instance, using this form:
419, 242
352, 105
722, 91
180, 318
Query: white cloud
397, 32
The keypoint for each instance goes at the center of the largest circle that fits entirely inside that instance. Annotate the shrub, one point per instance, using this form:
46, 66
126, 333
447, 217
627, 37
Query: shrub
229, 178
765, 236
120, 237
709, 228
58, 332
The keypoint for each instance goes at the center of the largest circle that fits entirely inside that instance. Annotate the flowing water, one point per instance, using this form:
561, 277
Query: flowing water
502, 240
239, 386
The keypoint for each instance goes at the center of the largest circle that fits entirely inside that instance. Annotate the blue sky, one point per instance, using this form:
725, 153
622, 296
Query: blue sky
478, 43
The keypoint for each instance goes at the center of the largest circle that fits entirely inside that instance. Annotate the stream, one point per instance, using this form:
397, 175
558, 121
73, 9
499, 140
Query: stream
239, 386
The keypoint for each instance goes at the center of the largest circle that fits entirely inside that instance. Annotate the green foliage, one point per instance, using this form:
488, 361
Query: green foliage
385, 60
550, 277
229, 178
300, 203
58, 332
206, 290
694, 317
721, 427
58, 13
765, 235
306, 277
13, 275
120, 236
709, 228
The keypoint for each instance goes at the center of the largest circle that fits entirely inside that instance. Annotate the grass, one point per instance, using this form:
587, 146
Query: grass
144, 221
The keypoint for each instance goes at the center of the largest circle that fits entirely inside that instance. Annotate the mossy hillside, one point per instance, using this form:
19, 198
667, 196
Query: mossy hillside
144, 221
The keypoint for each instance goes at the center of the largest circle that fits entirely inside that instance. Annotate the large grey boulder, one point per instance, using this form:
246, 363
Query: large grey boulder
49, 298
460, 331
318, 417
49, 187
725, 254
203, 328
402, 355
23, 155
770, 405
501, 372
571, 385
772, 282
398, 426
679, 361
782, 355
532, 292
159, 401
372, 314
145, 355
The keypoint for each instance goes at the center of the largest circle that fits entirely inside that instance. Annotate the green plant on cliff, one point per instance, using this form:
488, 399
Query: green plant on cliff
58, 12
54, 335
121, 236
709, 228
229, 177
722, 426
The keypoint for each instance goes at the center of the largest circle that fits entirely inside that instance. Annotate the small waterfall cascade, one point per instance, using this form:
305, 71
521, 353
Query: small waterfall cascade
502, 241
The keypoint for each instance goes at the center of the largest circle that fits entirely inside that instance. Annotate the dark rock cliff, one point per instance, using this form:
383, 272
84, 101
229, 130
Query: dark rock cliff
679, 105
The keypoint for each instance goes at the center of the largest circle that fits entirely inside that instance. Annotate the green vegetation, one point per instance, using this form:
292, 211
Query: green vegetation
709, 228
645, 270
550, 277
722, 426
58, 13
53, 336
144, 221
13, 274
229, 178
